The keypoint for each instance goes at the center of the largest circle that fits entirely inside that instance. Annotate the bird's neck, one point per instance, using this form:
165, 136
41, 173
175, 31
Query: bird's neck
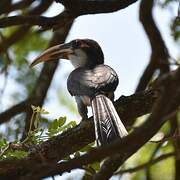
85, 62
78, 62
86, 59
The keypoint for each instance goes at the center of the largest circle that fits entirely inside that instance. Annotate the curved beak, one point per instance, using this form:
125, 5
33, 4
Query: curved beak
54, 53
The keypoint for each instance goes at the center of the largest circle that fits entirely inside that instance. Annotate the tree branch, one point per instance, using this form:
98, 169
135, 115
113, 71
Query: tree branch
25, 20
170, 86
160, 55
45, 22
147, 164
22, 31
176, 144
74, 9
83, 134
16, 6
81, 7
85, 130
13, 38
6, 43
14, 110
53, 149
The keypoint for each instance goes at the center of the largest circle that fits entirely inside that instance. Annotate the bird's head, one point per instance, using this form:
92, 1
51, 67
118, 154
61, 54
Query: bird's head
81, 52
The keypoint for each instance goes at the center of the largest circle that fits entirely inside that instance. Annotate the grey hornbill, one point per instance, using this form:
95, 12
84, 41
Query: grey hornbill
92, 83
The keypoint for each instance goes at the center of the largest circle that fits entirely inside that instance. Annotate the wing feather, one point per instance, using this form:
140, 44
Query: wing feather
88, 82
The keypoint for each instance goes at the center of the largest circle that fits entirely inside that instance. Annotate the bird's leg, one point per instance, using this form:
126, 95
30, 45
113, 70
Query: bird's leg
82, 108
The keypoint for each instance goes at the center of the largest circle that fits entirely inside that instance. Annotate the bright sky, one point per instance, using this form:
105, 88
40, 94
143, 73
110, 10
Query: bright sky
125, 47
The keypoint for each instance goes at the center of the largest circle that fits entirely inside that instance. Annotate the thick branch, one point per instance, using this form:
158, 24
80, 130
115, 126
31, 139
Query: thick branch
85, 131
45, 22
83, 134
25, 20
131, 143
160, 54
16, 6
14, 110
81, 7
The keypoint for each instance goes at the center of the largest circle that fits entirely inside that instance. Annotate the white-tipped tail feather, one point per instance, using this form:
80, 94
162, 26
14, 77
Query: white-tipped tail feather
108, 125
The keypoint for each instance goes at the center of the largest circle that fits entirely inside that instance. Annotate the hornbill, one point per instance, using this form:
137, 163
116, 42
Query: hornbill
92, 83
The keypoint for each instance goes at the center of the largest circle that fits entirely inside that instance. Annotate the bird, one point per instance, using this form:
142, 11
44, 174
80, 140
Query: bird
92, 83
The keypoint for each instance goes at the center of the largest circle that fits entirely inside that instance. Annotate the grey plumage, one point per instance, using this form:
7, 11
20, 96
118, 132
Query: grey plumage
107, 122
90, 82
95, 87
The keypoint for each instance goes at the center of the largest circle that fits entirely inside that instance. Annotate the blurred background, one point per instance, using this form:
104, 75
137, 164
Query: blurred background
126, 49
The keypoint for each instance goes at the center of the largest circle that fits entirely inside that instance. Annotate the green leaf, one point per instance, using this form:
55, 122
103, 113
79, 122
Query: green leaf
77, 154
16, 154
3, 143
61, 121
87, 147
33, 107
96, 166
43, 120
53, 125
67, 126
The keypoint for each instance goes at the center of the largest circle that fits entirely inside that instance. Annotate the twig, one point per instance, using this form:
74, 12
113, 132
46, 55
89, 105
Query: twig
4, 150
60, 20
14, 110
18, 5
145, 165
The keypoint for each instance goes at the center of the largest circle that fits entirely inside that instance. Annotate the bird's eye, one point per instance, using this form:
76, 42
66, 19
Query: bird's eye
76, 43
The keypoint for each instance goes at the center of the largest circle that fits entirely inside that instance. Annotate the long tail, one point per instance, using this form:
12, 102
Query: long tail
108, 125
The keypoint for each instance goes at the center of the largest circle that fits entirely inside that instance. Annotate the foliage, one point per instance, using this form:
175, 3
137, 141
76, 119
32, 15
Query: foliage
41, 134
175, 21
38, 135
16, 64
